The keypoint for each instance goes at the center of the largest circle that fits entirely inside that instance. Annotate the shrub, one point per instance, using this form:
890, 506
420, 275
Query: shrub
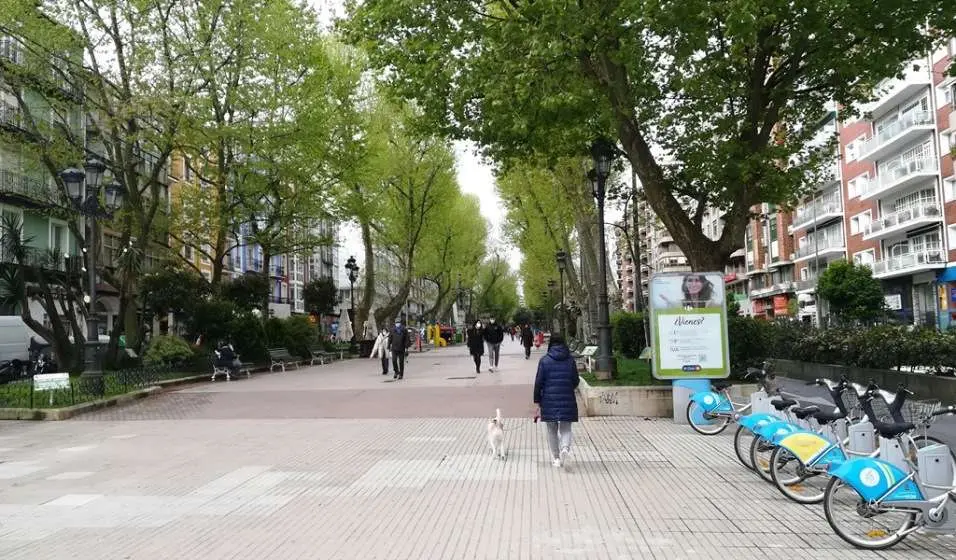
628, 333
300, 335
248, 337
167, 349
748, 343
211, 320
275, 332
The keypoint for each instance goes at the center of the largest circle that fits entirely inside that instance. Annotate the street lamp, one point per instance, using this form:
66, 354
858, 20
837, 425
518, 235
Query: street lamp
353, 276
603, 153
562, 258
83, 188
551, 285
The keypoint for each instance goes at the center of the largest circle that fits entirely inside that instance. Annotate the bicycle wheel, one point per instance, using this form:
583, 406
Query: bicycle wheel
793, 479
742, 440
760, 451
859, 524
704, 422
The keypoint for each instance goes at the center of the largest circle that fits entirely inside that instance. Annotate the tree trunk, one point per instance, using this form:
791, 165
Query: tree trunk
368, 290
394, 307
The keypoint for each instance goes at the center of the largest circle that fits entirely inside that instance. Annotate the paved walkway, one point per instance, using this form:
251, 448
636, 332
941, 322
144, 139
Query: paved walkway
333, 463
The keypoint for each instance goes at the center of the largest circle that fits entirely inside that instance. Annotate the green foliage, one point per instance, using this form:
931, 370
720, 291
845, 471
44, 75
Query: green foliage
246, 292
628, 333
275, 332
522, 315
248, 337
880, 347
173, 291
706, 82
321, 296
852, 292
300, 335
630, 373
211, 321
167, 349
497, 289
733, 308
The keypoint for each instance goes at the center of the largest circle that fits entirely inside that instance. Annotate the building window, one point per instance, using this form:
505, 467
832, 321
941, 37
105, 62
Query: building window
188, 252
951, 232
804, 273
857, 186
949, 189
866, 258
860, 222
59, 237
853, 148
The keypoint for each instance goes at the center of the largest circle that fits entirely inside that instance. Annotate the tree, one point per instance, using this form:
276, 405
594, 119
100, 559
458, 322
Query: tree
321, 296
247, 292
705, 98
130, 105
172, 290
497, 289
852, 292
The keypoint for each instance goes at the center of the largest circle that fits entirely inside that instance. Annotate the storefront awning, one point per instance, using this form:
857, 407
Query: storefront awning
948, 275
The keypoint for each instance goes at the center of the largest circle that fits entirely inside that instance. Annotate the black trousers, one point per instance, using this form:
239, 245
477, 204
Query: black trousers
384, 364
477, 358
398, 363
527, 351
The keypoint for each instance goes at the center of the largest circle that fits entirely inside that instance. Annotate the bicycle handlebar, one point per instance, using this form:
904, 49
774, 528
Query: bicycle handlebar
948, 410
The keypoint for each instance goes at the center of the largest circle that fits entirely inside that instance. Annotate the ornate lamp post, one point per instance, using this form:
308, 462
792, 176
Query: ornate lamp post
603, 153
562, 258
551, 285
83, 186
353, 276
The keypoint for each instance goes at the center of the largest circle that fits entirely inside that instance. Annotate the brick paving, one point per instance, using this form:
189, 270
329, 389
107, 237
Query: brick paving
332, 462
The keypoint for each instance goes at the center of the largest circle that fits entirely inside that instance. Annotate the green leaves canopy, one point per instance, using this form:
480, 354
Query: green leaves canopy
851, 291
696, 92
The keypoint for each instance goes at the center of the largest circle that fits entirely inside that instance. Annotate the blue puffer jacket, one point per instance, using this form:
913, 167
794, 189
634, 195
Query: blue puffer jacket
555, 384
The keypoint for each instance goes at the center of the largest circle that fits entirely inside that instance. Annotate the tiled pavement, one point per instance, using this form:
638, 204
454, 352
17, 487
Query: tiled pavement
333, 463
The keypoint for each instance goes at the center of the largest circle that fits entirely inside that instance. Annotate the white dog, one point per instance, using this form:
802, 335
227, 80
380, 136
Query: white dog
496, 435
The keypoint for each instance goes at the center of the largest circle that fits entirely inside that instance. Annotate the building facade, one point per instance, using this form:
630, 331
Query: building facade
888, 202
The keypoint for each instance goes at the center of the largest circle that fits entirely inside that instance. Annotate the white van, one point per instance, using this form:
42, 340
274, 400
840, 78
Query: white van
15, 338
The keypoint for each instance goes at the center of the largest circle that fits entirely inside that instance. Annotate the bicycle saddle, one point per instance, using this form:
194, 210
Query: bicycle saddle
823, 417
720, 385
783, 404
892, 429
804, 412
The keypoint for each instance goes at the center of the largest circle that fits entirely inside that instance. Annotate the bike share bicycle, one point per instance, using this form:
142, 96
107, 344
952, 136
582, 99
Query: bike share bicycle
710, 412
800, 463
897, 502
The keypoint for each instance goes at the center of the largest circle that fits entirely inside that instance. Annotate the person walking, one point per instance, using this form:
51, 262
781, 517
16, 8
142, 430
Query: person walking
494, 335
380, 350
398, 343
527, 339
557, 406
476, 344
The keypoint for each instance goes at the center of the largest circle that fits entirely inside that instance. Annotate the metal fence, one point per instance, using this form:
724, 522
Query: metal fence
84, 388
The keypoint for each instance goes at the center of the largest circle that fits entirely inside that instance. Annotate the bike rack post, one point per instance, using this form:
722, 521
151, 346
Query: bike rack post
681, 390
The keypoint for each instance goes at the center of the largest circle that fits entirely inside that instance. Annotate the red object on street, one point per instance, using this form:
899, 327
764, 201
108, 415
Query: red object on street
539, 339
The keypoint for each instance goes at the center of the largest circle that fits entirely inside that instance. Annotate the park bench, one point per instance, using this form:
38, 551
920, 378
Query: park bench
319, 354
217, 370
280, 357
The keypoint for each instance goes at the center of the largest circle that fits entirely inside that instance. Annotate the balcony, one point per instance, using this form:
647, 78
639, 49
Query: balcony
891, 92
820, 211
824, 247
276, 270
772, 290
16, 184
910, 263
904, 174
806, 286
906, 130
910, 218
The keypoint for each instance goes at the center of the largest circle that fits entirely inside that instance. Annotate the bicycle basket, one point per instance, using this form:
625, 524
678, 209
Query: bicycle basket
919, 412
881, 409
851, 401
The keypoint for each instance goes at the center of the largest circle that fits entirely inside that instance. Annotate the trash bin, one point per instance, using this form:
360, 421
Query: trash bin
458, 338
365, 348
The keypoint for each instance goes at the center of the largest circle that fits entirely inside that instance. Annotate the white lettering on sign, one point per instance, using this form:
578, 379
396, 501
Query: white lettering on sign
51, 381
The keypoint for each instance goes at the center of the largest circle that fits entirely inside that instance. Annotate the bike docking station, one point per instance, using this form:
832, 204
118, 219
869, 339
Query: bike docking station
689, 346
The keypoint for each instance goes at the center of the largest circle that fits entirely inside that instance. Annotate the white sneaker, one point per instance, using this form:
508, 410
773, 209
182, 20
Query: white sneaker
564, 456
556, 463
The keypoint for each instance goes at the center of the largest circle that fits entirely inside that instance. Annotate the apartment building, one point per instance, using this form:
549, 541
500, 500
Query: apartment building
626, 272
889, 203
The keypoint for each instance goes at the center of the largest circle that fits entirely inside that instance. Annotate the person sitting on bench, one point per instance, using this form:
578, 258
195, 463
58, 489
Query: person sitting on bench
226, 357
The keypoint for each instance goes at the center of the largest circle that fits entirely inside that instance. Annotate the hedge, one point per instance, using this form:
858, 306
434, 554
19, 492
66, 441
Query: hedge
881, 347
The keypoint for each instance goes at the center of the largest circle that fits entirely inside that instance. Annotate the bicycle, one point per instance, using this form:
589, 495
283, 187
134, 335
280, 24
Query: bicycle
877, 489
710, 412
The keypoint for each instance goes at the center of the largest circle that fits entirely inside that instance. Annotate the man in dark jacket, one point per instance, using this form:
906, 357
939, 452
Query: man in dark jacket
554, 394
494, 335
527, 339
398, 343
476, 344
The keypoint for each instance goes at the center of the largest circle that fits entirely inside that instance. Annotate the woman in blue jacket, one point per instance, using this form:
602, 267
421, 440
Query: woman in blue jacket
554, 395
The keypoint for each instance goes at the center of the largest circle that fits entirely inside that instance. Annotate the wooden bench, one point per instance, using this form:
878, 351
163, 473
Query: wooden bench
280, 357
245, 367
